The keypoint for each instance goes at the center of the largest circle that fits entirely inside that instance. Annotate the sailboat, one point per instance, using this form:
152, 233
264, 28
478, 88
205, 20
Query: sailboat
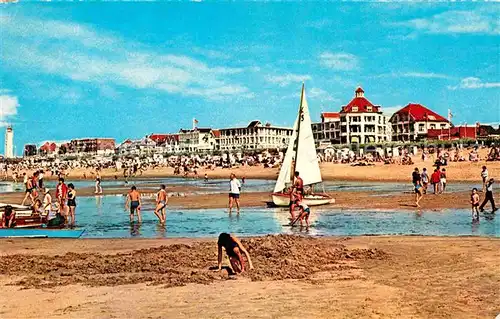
300, 157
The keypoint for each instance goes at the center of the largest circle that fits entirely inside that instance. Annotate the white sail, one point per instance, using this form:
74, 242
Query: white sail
307, 160
284, 177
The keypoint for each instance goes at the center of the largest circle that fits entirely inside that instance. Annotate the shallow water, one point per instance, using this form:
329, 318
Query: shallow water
105, 217
250, 185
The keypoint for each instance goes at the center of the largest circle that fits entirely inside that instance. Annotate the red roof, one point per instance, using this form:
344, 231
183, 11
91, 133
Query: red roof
216, 133
48, 147
330, 115
359, 89
164, 138
420, 113
362, 104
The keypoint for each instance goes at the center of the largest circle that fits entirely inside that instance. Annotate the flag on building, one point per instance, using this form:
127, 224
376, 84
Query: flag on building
195, 123
450, 115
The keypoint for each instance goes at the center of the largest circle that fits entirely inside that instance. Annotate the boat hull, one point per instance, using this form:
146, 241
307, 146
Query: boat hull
283, 200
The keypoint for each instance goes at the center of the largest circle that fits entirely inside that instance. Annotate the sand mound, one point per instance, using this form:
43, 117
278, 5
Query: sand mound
274, 258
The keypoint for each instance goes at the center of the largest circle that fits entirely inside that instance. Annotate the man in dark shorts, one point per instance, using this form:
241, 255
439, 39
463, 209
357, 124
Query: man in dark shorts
134, 197
415, 176
234, 193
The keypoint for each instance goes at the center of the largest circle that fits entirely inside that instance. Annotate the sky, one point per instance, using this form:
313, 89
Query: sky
128, 69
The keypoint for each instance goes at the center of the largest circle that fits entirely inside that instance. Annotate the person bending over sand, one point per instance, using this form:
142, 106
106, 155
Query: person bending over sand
233, 248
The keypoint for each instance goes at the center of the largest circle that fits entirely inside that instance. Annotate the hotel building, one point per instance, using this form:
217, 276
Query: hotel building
199, 140
327, 132
412, 122
99, 146
255, 136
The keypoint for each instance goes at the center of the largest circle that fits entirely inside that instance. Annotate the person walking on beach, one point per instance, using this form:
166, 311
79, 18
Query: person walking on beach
28, 184
425, 180
484, 176
234, 193
98, 188
418, 193
474, 200
436, 180
134, 197
71, 204
415, 176
234, 248
161, 204
442, 180
489, 197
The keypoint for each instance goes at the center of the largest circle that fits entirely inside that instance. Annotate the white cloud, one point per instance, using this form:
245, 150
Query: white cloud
80, 53
339, 61
474, 83
452, 22
8, 107
287, 79
320, 94
424, 75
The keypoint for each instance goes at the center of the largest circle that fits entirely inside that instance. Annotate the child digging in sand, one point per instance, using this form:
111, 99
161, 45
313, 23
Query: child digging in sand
233, 248
474, 200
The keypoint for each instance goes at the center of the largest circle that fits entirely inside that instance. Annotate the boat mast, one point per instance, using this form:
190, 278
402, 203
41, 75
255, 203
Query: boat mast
298, 132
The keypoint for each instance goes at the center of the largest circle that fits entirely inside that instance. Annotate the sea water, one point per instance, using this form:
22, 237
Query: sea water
213, 186
106, 217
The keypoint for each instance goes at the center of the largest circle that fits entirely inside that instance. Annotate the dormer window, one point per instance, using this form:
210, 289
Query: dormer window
354, 108
368, 108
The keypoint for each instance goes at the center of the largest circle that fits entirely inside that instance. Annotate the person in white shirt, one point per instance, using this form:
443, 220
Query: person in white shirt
234, 193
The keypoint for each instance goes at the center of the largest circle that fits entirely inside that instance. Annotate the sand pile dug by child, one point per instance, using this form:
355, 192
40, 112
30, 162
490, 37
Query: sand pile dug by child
274, 258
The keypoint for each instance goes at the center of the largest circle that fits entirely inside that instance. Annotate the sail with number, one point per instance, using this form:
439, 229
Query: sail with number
301, 151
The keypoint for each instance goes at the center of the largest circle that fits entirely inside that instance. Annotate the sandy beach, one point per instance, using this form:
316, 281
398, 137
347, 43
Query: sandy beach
294, 277
456, 172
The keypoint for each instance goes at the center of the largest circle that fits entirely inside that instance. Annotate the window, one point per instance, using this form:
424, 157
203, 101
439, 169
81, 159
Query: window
433, 126
443, 125
368, 108
421, 127
354, 108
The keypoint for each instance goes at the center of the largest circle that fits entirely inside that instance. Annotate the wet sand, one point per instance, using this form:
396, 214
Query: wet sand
294, 277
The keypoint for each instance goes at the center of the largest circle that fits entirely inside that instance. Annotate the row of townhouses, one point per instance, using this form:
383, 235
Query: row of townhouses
358, 122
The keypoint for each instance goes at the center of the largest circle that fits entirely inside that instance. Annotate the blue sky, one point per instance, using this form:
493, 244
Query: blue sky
124, 69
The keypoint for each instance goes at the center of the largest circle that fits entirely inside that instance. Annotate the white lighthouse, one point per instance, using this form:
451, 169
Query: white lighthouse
9, 142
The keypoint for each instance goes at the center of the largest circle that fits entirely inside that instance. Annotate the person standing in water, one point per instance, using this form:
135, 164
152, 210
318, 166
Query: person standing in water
161, 204
134, 197
98, 188
474, 200
61, 196
233, 248
442, 180
425, 180
418, 192
234, 193
304, 213
71, 204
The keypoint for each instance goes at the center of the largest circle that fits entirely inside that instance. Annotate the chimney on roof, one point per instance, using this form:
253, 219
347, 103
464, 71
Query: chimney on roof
359, 92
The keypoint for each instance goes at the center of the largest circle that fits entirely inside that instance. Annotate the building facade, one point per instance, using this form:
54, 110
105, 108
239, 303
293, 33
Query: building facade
413, 122
327, 132
362, 122
253, 137
197, 140
9, 142
170, 142
99, 146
